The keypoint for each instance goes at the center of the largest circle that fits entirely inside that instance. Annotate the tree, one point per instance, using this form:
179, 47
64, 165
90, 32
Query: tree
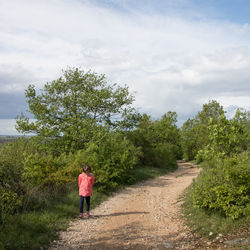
226, 138
159, 140
195, 131
189, 139
69, 110
211, 110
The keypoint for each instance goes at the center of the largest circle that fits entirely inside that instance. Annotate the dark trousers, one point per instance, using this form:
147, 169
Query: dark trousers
82, 203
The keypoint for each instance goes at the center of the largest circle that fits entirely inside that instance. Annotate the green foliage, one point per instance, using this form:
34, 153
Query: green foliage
162, 156
225, 187
213, 110
111, 156
166, 132
225, 138
189, 139
68, 110
12, 187
10, 202
243, 118
222, 145
44, 170
37, 229
204, 221
195, 132
34, 175
13, 153
30, 176
159, 140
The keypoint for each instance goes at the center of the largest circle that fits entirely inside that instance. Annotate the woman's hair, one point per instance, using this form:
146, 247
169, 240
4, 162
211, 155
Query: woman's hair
86, 168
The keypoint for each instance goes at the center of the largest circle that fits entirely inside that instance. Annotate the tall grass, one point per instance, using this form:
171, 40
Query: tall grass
36, 229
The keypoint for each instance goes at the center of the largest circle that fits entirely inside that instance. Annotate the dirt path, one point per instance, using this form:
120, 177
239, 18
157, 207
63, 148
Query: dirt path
143, 216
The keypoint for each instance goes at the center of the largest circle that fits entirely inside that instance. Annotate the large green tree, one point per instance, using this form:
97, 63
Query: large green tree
195, 131
226, 138
69, 110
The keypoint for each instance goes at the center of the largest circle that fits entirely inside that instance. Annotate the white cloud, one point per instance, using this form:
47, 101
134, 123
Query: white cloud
7, 127
171, 62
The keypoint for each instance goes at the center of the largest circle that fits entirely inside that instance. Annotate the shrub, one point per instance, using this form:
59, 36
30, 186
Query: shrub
12, 187
225, 187
226, 138
30, 175
43, 169
10, 202
110, 156
159, 140
163, 156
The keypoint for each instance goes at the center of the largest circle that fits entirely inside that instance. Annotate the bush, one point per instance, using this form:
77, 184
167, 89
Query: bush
10, 202
30, 176
12, 159
34, 176
12, 187
159, 140
47, 170
225, 187
110, 157
162, 155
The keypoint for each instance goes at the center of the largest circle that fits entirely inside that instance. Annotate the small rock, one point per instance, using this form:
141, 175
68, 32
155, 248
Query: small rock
220, 235
209, 243
211, 233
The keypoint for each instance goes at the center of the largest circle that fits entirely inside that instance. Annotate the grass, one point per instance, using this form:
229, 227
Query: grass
35, 229
203, 222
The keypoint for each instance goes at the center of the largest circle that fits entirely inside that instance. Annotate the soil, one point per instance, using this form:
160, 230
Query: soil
142, 216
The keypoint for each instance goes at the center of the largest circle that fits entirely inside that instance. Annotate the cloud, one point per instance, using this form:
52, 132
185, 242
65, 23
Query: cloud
7, 127
14, 78
174, 59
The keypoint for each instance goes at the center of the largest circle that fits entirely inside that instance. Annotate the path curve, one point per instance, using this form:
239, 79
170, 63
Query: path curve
142, 216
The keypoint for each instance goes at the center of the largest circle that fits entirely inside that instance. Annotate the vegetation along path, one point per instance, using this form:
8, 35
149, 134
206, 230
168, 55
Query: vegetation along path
142, 216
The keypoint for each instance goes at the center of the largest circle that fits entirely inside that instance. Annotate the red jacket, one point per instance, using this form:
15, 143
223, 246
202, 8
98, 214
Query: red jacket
85, 183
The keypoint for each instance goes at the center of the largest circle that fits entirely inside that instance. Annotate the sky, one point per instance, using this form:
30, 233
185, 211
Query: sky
175, 55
